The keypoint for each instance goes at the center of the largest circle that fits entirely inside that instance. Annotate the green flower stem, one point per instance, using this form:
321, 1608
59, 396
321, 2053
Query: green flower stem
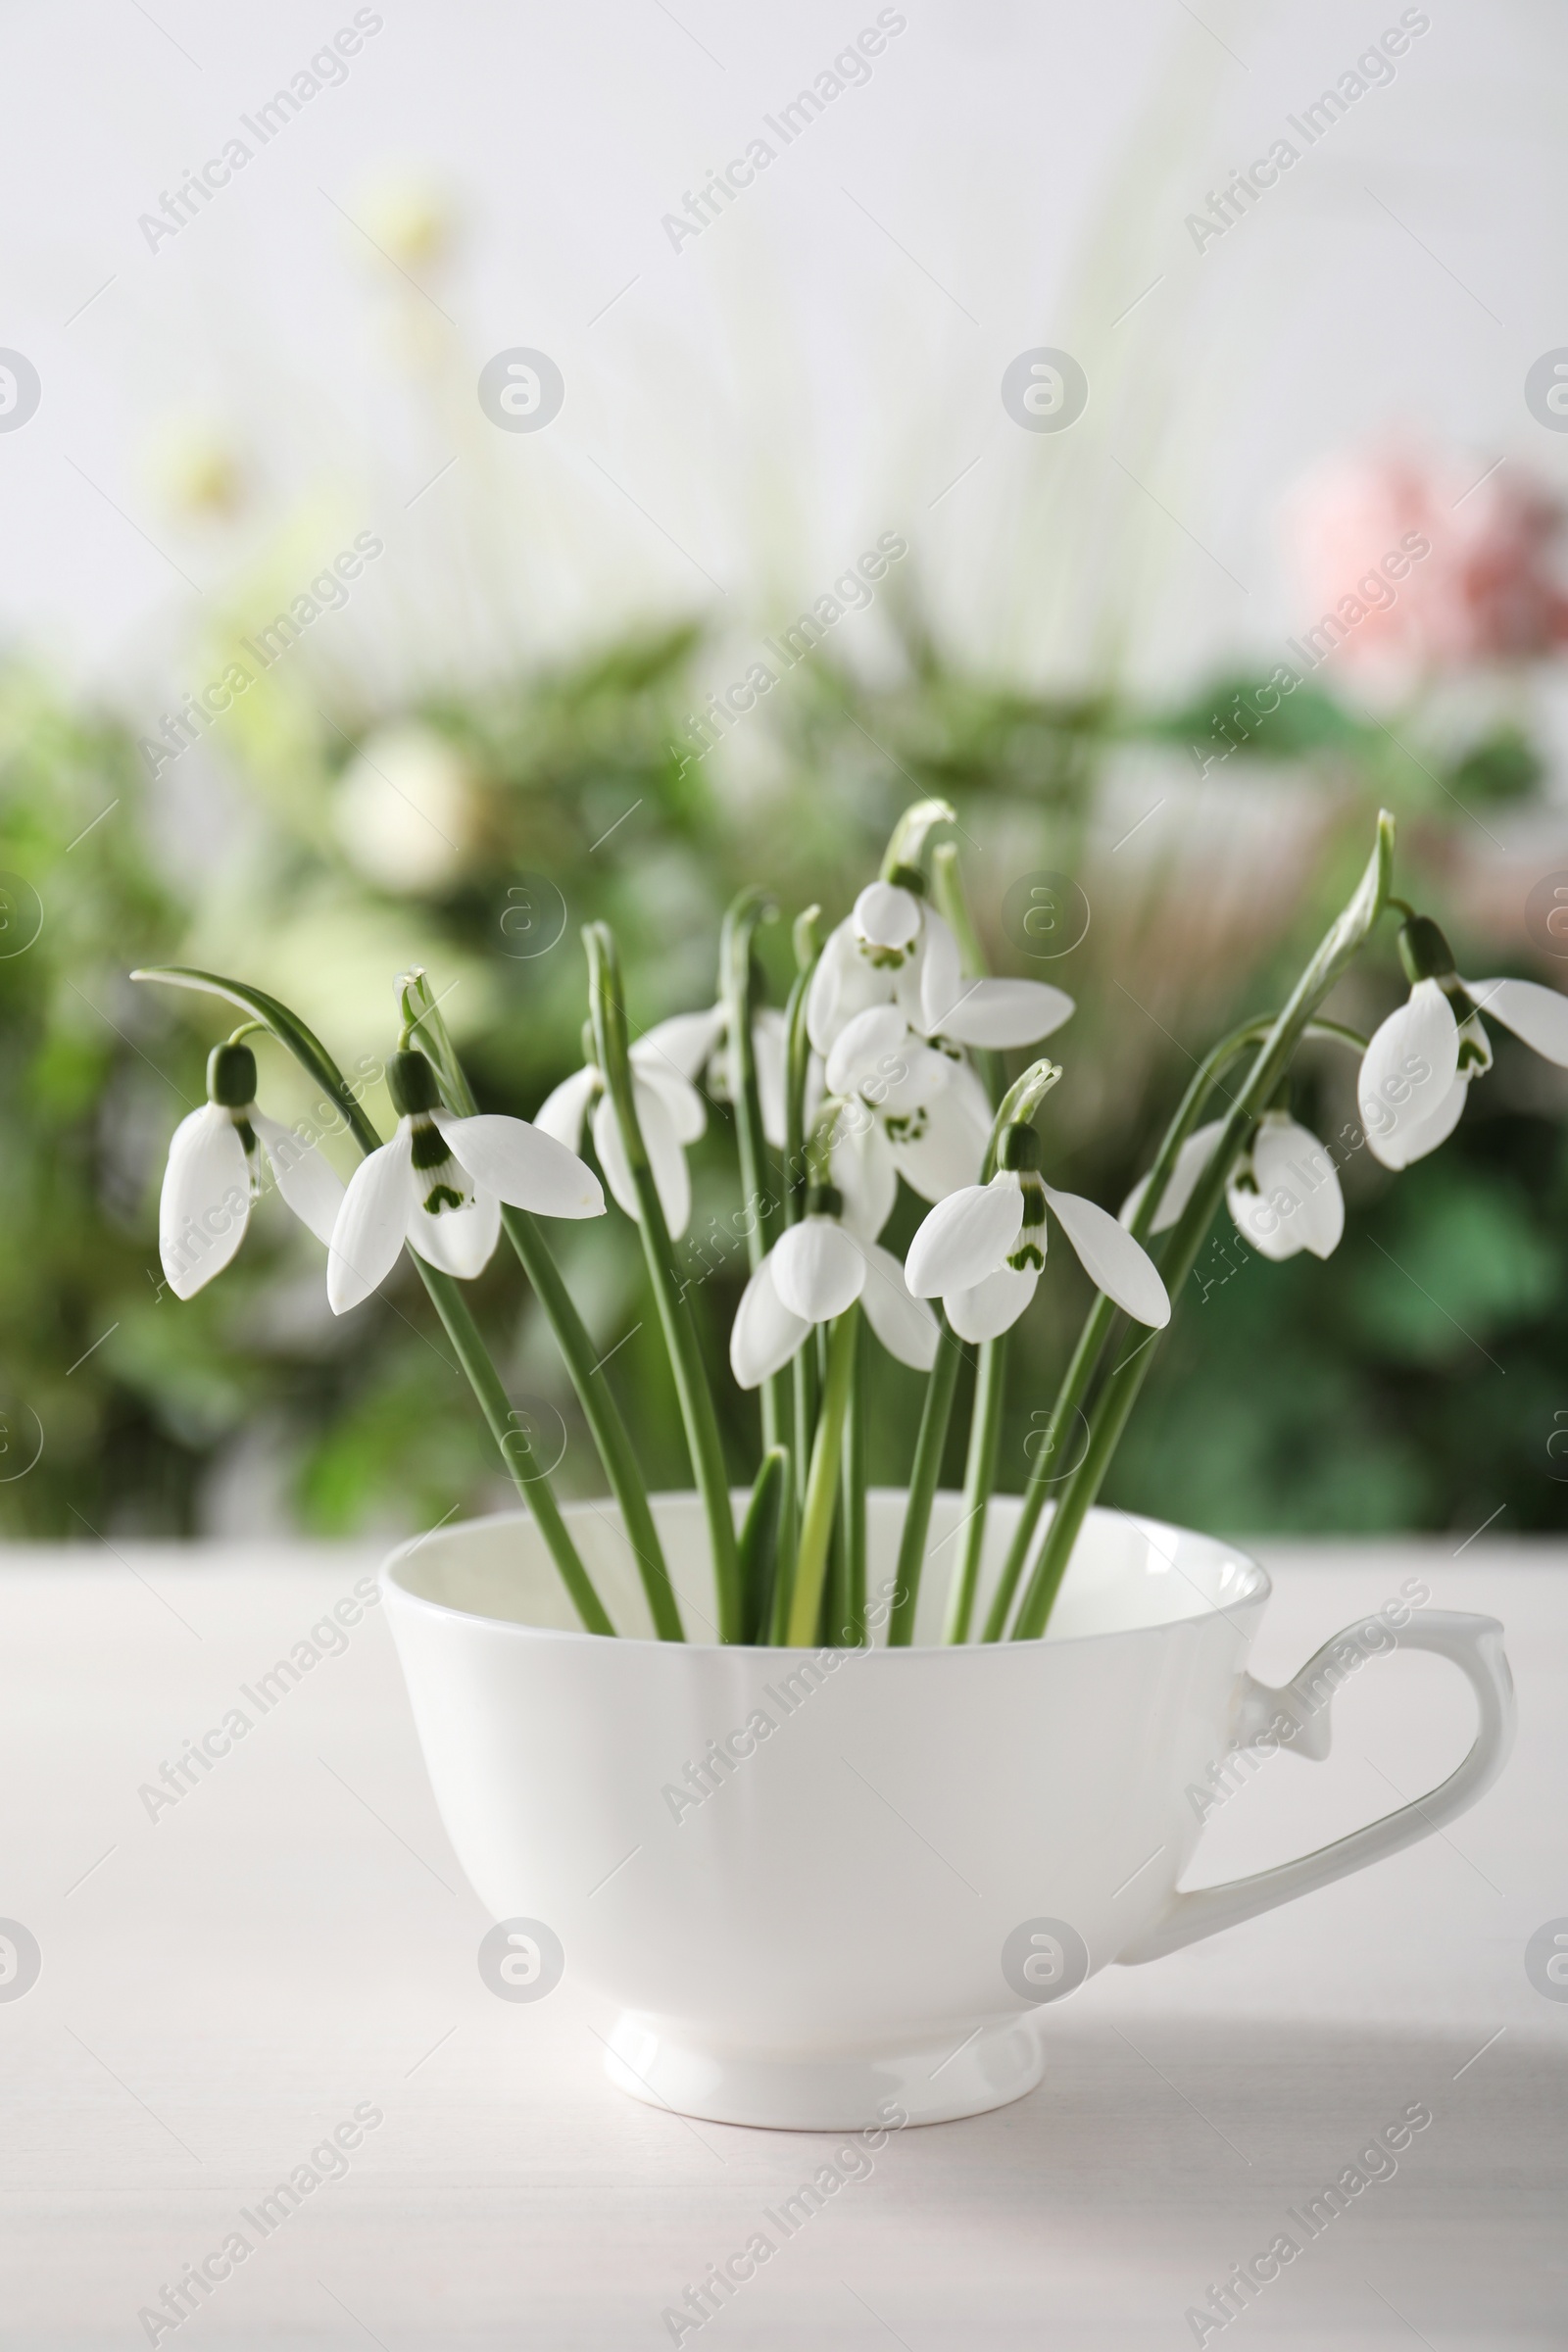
906, 848
703, 1441
594, 1394
1079, 1376
924, 1472
848, 1632
1120, 1388
980, 1474
516, 1449
822, 1485
798, 1053
1020, 1102
947, 889
735, 967
446, 1296
760, 1540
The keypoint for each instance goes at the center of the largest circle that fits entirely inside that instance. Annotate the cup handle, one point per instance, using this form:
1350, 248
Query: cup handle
1475, 1645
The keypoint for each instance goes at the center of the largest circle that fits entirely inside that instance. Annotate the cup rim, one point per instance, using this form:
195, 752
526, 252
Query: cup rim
1258, 1590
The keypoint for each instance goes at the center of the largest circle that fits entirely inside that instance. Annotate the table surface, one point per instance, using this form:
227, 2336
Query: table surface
226, 1981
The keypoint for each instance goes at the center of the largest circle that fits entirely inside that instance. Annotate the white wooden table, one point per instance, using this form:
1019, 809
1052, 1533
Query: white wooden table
228, 1977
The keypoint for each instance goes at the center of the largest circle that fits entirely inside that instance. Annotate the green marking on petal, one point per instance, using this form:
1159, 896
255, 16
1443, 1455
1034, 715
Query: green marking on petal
429, 1145
442, 1196
1027, 1255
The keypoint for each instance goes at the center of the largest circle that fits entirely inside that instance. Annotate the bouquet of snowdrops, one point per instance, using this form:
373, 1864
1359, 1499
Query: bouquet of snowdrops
885, 1064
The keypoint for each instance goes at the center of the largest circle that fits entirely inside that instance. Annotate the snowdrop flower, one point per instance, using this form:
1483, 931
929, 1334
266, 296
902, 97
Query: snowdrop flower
439, 1185
1283, 1194
664, 1061
697, 1042
895, 949
1418, 1069
983, 1250
815, 1271
907, 1109
214, 1175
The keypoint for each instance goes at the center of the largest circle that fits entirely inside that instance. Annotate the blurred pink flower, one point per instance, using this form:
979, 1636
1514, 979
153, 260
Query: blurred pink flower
1426, 567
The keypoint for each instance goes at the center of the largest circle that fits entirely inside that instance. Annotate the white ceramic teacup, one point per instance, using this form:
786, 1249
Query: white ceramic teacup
815, 1881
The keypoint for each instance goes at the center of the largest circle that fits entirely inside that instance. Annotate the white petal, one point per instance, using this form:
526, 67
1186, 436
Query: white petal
994, 1306
1191, 1161
206, 1200
1412, 1140
1406, 1073
613, 1156
966, 1236
1539, 1015
1112, 1260
842, 984
523, 1166
987, 1012
683, 1043
373, 1224
868, 1047
764, 1334
684, 1108
561, 1113
863, 1168
664, 1157
459, 1240
887, 915
1258, 1220
942, 981
770, 1052
948, 1154
1297, 1178
905, 1325
312, 1189
818, 1269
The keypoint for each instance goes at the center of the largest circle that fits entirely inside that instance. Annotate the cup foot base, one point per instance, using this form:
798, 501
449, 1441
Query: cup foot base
931, 2082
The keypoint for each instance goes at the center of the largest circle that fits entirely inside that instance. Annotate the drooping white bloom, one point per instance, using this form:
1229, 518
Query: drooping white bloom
895, 949
983, 1248
697, 1046
439, 1185
1417, 1070
1283, 1192
906, 1109
214, 1175
815, 1271
664, 1062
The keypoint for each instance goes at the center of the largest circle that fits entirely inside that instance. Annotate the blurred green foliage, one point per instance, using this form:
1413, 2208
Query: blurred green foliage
1414, 1381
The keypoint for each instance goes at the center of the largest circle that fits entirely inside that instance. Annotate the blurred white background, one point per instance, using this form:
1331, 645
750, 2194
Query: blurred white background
821, 363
